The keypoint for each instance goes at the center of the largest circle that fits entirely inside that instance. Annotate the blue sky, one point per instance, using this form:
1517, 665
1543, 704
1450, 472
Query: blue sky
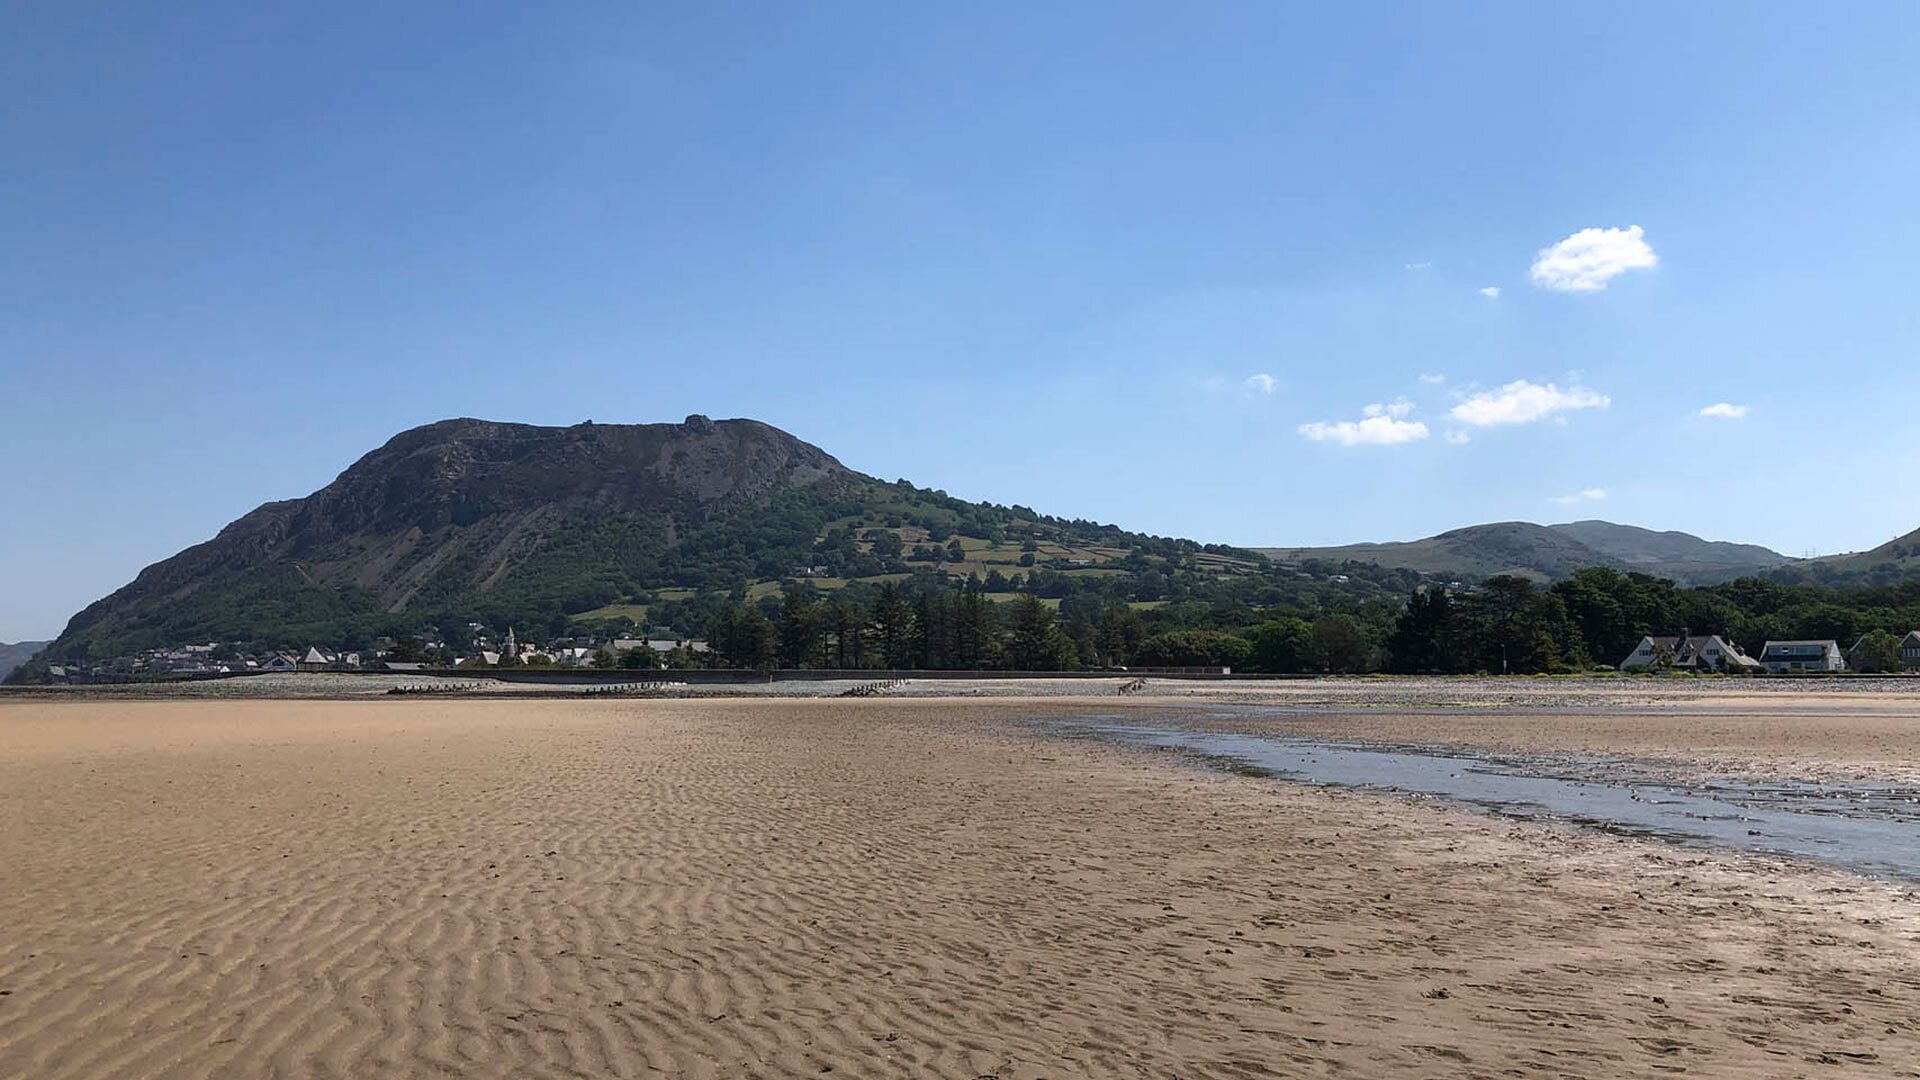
1026, 253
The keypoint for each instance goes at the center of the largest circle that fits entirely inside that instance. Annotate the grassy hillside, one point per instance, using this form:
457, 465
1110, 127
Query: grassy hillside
1552, 552
1519, 548
1891, 562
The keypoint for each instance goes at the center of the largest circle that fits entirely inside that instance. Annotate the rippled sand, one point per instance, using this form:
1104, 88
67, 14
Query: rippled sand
868, 888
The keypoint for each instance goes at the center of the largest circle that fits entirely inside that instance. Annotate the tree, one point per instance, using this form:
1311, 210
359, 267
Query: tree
976, 629
1036, 642
802, 629
893, 627
956, 553
1194, 648
640, 657
1424, 638
1878, 651
1343, 645
1282, 645
743, 637
847, 621
1120, 632
602, 658
1515, 628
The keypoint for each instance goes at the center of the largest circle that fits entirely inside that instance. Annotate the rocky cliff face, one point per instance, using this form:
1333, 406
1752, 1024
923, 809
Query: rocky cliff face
458, 506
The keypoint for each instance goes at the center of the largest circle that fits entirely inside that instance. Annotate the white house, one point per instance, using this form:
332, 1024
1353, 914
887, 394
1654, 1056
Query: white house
1691, 652
1785, 656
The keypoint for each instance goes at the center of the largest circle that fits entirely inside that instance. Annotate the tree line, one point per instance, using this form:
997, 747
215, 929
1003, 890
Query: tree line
1504, 624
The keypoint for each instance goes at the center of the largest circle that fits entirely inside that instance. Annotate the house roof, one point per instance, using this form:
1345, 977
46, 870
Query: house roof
1827, 643
1688, 652
1697, 641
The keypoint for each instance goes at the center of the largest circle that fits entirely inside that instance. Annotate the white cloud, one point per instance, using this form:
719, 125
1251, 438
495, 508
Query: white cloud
1457, 438
1523, 402
1589, 495
1397, 409
1725, 411
1382, 425
1433, 380
1491, 292
1587, 260
1262, 383
1420, 265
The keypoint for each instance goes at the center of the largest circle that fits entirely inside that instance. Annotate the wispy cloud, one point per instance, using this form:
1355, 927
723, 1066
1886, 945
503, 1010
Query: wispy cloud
1587, 496
1724, 410
1523, 402
1456, 437
1262, 383
1491, 292
1380, 425
1587, 260
1420, 265
1433, 380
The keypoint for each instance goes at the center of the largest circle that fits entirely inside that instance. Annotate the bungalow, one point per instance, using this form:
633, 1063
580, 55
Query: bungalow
1786, 656
280, 662
1689, 652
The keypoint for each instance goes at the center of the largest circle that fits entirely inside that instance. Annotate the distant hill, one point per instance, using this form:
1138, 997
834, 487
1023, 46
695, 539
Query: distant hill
517, 524
1548, 552
1508, 547
12, 656
1671, 553
1891, 562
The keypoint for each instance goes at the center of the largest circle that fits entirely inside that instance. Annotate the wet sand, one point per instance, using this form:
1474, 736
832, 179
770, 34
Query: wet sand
869, 888
1808, 734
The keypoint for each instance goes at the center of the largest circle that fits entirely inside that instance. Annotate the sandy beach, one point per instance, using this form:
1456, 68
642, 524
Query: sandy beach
761, 888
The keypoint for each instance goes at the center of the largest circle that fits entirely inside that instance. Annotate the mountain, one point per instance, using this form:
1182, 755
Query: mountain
12, 656
1671, 554
1507, 547
1545, 552
516, 524
459, 507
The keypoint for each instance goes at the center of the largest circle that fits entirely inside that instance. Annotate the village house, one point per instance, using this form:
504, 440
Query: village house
1689, 652
1781, 657
1910, 651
